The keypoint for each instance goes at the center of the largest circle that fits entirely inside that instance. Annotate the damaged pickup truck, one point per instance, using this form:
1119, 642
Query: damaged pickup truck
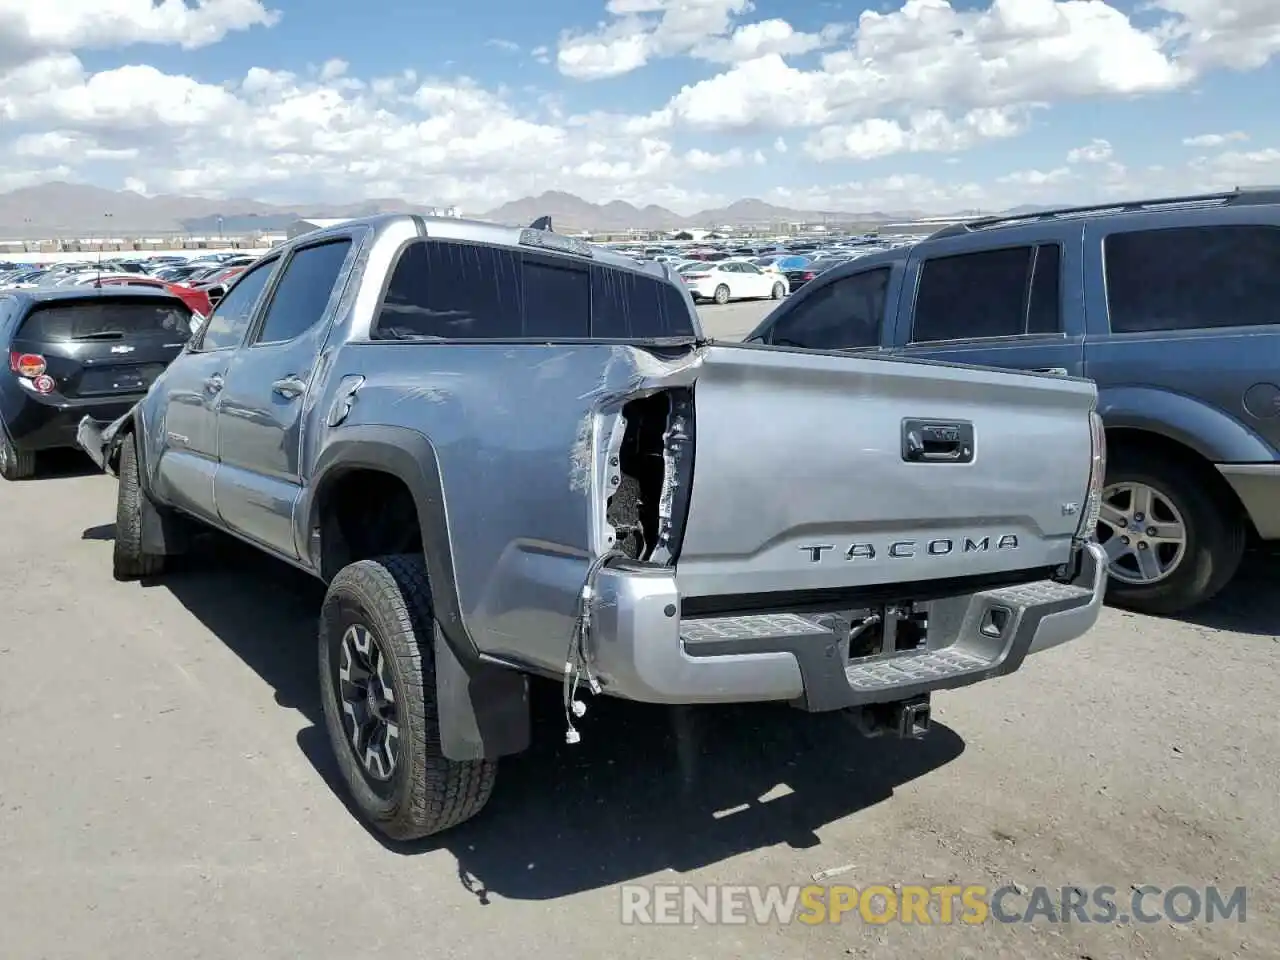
510, 454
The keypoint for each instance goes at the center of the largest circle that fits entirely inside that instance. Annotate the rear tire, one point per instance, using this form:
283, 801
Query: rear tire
129, 561
1213, 533
402, 784
15, 464
779, 291
722, 294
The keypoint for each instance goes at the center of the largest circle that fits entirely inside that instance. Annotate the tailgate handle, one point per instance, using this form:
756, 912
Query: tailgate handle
937, 441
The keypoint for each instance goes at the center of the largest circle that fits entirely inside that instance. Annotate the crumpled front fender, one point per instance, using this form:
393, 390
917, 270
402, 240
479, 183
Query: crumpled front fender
101, 441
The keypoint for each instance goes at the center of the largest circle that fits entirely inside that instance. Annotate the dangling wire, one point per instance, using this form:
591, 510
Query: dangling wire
577, 663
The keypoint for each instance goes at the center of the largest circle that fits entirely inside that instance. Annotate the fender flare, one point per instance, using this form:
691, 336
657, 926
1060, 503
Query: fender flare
483, 708
1209, 431
410, 457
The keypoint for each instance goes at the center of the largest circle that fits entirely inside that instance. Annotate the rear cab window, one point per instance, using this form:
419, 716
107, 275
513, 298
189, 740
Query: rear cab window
453, 290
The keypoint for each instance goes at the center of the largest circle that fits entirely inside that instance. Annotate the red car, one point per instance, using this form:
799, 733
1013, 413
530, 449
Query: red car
197, 300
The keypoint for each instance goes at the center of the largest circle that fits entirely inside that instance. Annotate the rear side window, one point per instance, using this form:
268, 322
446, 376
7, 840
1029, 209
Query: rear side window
453, 291
996, 293
108, 320
303, 292
1189, 278
459, 291
843, 315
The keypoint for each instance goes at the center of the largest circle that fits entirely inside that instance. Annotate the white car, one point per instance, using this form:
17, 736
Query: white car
726, 280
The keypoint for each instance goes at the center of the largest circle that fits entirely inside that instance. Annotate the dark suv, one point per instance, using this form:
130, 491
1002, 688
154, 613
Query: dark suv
1172, 306
77, 352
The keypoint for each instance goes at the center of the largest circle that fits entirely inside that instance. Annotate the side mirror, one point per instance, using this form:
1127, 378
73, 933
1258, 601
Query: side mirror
216, 293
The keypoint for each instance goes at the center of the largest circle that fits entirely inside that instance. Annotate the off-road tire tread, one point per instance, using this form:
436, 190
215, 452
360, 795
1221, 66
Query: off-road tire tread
395, 592
128, 560
1217, 535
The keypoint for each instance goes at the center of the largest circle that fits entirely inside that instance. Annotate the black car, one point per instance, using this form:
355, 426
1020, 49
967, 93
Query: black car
800, 276
76, 352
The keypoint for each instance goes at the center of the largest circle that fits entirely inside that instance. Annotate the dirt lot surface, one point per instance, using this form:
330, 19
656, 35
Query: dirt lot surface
167, 790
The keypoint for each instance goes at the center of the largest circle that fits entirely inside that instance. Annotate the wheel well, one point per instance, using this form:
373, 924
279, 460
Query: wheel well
1132, 440
362, 514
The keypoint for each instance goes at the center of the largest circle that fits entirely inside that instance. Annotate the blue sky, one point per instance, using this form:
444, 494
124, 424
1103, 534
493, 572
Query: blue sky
908, 104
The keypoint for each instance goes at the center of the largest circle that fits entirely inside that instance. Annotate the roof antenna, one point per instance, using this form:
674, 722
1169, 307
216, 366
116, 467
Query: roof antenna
542, 223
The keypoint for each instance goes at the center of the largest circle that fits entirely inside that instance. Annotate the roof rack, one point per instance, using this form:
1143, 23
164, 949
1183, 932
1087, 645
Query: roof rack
1241, 196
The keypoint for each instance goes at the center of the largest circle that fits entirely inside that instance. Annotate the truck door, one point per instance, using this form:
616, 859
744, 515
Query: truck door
261, 413
1007, 305
193, 384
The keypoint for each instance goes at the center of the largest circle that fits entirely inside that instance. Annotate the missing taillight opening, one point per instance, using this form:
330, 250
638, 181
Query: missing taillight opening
648, 509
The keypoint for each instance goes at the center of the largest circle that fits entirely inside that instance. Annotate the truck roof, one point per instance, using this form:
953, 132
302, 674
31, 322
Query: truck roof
483, 231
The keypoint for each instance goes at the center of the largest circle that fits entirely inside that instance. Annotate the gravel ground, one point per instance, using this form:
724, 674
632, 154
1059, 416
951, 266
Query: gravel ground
167, 789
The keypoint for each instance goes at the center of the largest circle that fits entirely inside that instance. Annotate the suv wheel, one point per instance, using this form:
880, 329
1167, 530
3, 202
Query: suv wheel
722, 294
15, 464
377, 679
1171, 543
128, 560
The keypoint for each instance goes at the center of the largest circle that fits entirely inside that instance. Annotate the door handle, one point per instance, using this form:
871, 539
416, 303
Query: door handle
289, 387
213, 384
1056, 371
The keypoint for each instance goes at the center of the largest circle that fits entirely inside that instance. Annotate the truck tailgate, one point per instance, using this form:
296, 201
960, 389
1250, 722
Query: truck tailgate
804, 477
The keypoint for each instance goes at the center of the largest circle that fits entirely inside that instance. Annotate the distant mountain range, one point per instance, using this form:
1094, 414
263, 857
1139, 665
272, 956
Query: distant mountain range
73, 210
569, 212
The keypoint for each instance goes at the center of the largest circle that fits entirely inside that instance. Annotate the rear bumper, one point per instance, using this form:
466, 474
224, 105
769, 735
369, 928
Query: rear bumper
641, 649
1258, 487
51, 424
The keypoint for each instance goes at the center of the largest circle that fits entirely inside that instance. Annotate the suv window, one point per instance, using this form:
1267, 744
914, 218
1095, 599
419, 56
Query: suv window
449, 290
994, 293
303, 291
230, 318
842, 315
1186, 278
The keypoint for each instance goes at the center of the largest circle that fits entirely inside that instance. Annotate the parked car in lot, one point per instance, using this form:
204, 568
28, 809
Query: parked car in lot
732, 280
798, 277
1171, 306
197, 299
506, 451
74, 352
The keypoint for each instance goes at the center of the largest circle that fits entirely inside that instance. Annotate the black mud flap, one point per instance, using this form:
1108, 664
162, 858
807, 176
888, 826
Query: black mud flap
484, 709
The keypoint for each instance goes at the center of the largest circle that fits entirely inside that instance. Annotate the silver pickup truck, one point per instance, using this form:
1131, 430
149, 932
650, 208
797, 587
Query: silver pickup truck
510, 454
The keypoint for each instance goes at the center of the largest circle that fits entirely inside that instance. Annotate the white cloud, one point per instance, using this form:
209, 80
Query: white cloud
1216, 139
30, 28
640, 31
921, 77
506, 46
1096, 151
930, 131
